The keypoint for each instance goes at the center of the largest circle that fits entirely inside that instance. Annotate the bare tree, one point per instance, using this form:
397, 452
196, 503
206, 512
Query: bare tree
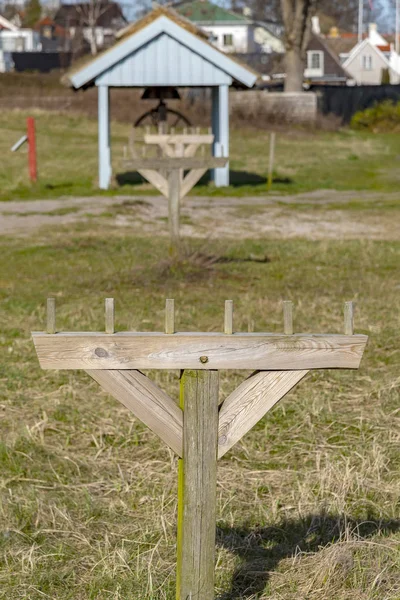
90, 13
297, 22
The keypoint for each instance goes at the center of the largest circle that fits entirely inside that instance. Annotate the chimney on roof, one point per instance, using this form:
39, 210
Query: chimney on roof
333, 32
316, 28
372, 28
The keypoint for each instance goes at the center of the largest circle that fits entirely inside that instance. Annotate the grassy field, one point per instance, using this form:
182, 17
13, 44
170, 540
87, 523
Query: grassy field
305, 160
308, 502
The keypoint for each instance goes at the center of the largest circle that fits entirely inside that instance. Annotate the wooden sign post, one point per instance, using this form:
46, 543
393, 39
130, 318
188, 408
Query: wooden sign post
167, 172
199, 428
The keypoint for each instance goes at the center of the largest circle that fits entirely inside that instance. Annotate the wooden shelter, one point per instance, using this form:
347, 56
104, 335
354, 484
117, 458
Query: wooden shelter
163, 50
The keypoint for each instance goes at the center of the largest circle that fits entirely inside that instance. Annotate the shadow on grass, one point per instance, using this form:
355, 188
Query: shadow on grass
262, 549
236, 179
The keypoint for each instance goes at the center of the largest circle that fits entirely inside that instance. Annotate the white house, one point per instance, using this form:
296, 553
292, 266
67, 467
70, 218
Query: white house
231, 32
15, 39
370, 59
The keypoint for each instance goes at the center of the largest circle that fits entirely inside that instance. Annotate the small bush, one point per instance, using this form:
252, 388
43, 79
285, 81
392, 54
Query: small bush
382, 117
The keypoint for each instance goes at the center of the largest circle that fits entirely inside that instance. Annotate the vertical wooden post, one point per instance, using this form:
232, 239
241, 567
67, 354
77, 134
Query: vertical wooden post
30, 123
271, 159
288, 317
348, 318
109, 314
174, 192
51, 315
197, 510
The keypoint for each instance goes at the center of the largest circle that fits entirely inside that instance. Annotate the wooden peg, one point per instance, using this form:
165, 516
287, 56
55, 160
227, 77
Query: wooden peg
210, 131
185, 130
170, 315
172, 131
228, 327
198, 130
288, 317
348, 318
147, 129
51, 315
109, 308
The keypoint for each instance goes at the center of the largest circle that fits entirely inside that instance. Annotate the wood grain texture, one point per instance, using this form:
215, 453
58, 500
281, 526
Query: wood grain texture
200, 391
250, 402
256, 351
148, 403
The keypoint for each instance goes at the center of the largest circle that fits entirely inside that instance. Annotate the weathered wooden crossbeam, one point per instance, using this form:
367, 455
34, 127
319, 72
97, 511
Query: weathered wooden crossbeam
168, 163
172, 138
263, 351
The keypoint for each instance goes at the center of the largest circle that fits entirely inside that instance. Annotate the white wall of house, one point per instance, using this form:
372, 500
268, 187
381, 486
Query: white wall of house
232, 38
22, 40
366, 64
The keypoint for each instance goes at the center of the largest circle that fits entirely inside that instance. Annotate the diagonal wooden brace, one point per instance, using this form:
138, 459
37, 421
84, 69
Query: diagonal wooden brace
148, 403
250, 402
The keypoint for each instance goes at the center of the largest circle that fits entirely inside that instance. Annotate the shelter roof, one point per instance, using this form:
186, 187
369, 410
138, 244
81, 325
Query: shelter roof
148, 30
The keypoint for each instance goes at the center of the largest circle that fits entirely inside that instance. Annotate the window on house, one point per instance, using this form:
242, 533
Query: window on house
314, 60
228, 39
367, 62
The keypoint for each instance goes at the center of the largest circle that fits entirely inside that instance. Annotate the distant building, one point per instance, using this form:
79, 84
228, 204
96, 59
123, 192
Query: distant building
92, 23
53, 37
15, 39
372, 59
231, 32
322, 64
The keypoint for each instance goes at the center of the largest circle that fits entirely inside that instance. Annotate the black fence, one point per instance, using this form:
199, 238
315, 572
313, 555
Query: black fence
44, 62
346, 101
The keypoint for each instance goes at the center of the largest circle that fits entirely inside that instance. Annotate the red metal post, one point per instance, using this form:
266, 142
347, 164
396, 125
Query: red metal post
30, 122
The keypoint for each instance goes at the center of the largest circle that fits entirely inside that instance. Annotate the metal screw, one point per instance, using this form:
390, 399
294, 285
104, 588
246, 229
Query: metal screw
204, 359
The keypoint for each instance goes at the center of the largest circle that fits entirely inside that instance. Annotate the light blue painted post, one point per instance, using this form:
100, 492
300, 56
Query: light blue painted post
220, 125
104, 137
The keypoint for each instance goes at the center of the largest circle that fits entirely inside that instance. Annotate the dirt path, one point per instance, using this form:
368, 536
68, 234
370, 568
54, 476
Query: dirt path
324, 214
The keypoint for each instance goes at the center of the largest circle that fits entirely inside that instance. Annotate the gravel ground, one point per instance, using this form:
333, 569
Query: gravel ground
324, 214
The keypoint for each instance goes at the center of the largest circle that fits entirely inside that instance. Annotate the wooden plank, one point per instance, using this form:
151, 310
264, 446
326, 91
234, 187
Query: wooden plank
250, 402
174, 199
109, 310
208, 162
170, 315
190, 180
189, 138
265, 352
288, 317
348, 318
155, 179
200, 429
148, 403
51, 315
